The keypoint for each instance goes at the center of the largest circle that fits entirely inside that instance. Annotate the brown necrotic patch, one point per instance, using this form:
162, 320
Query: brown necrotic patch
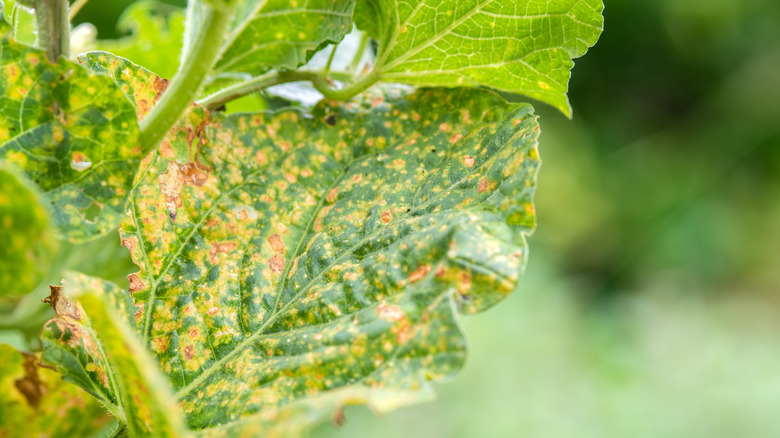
30, 385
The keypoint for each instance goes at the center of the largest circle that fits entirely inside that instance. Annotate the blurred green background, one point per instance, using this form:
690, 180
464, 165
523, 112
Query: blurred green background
651, 306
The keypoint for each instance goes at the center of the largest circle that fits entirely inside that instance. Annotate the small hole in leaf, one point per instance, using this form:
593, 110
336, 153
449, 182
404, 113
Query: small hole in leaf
92, 212
330, 119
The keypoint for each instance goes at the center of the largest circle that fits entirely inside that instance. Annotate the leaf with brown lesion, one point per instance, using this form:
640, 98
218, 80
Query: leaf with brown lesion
35, 401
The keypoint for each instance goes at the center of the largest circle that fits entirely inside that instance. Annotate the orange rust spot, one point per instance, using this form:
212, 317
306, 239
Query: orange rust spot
130, 243
160, 85
31, 386
440, 271
443, 127
464, 282
419, 273
276, 263
194, 174
357, 178
332, 195
261, 158
468, 161
290, 178
220, 248
136, 283
483, 185
456, 137
306, 173
386, 311
189, 352
166, 151
377, 101
139, 312
386, 216
194, 332
276, 243
160, 344
213, 311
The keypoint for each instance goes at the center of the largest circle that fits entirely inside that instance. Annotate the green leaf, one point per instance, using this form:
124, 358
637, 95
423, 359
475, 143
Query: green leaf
34, 401
74, 133
26, 242
302, 255
518, 47
155, 39
282, 33
92, 343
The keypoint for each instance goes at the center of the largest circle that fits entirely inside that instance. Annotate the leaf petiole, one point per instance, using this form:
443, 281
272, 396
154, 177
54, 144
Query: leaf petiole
188, 79
318, 79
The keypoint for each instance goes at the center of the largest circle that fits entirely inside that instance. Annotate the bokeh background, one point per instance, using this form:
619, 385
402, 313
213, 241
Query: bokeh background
651, 305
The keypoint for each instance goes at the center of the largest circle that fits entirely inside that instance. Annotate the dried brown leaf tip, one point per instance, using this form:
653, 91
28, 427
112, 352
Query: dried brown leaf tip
55, 292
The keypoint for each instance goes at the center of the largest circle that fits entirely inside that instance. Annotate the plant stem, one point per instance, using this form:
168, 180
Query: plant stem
330, 58
317, 78
188, 79
359, 54
53, 27
75, 8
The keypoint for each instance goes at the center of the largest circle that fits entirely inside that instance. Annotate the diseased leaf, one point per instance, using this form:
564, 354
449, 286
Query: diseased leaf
313, 256
96, 322
34, 401
521, 47
26, 242
282, 33
155, 40
73, 133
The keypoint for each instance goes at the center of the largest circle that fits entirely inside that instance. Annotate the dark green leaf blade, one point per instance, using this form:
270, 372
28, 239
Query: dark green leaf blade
73, 133
282, 33
26, 242
518, 47
304, 255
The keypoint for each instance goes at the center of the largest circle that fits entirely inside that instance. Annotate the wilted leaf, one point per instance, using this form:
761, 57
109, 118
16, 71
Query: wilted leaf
523, 47
73, 133
26, 243
91, 331
36, 402
282, 33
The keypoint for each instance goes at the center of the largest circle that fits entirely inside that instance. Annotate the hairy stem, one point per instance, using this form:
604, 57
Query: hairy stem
53, 27
317, 78
188, 79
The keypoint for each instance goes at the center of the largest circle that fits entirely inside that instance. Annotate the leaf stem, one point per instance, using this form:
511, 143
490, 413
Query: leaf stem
353, 66
188, 79
317, 78
53, 27
330, 58
75, 8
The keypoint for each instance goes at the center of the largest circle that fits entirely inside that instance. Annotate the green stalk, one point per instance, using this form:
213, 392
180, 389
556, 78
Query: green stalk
317, 78
185, 84
53, 27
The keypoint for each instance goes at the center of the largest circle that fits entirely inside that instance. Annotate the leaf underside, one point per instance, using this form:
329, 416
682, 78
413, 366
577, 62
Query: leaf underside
307, 261
282, 33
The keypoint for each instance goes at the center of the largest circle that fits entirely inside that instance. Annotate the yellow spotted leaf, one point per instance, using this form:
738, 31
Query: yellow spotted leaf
73, 133
36, 402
